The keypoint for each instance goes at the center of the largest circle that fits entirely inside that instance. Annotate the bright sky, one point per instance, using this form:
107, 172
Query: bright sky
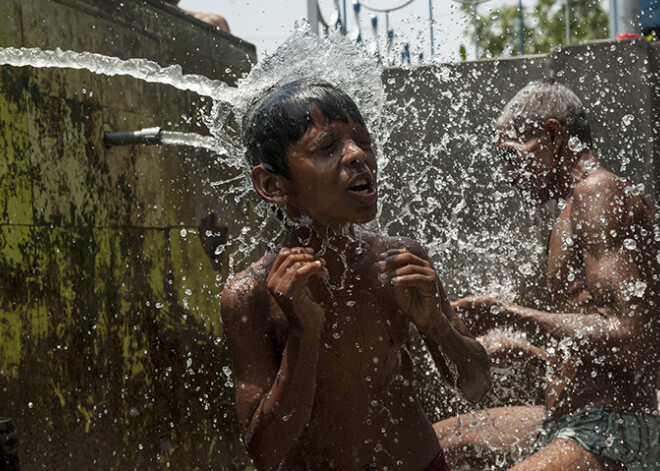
267, 23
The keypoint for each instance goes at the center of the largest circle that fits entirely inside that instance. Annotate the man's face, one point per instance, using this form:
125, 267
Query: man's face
333, 170
529, 161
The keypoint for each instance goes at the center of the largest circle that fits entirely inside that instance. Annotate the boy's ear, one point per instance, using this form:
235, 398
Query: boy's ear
272, 187
557, 132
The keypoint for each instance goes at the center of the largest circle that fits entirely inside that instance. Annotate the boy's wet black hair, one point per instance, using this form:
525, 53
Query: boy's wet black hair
281, 117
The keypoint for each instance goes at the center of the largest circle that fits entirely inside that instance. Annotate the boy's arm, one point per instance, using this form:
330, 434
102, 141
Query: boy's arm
421, 296
618, 286
274, 396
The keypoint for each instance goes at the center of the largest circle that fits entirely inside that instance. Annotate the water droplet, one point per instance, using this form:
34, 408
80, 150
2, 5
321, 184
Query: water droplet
575, 144
630, 244
350, 303
183, 233
628, 119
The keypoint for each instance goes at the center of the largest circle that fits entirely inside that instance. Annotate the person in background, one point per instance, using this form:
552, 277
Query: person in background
601, 340
210, 18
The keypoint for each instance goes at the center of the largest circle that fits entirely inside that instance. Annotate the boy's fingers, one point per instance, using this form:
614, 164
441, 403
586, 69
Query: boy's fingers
418, 281
425, 271
299, 273
286, 252
289, 260
401, 259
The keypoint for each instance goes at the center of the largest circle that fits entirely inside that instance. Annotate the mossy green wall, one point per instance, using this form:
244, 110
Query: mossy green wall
110, 351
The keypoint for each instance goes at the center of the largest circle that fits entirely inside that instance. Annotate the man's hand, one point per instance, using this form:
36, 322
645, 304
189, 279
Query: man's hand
415, 285
288, 283
503, 349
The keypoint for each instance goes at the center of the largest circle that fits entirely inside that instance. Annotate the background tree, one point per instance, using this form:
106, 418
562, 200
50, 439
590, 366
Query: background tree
545, 26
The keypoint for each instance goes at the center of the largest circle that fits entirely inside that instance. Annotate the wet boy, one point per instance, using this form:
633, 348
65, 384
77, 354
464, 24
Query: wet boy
317, 329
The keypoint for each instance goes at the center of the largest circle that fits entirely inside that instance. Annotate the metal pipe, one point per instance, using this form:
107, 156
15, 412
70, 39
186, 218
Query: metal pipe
614, 19
356, 9
146, 136
522, 29
568, 23
475, 20
313, 15
431, 25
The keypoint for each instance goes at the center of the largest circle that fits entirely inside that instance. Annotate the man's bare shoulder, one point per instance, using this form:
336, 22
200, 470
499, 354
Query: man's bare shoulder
603, 192
607, 206
600, 182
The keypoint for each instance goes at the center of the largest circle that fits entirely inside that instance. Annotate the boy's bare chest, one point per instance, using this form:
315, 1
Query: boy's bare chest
363, 331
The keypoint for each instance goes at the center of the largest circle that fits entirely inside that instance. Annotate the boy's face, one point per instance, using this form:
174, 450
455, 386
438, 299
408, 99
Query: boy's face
333, 169
529, 161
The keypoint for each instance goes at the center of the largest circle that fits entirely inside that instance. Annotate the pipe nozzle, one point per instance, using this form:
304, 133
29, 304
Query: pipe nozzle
146, 136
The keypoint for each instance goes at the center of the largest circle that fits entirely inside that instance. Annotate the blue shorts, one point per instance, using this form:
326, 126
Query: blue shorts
632, 439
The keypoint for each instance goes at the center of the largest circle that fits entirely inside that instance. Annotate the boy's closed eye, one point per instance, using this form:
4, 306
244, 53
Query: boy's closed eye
324, 142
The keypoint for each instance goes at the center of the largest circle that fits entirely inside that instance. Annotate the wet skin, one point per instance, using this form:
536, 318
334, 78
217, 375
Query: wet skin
592, 265
322, 375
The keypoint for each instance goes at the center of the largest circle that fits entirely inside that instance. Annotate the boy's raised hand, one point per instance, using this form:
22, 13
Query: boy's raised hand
415, 283
288, 283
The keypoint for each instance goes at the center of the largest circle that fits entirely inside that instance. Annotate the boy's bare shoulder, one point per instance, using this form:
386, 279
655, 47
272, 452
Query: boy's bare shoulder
247, 291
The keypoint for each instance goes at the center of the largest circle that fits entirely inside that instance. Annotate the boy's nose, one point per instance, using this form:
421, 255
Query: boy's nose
354, 154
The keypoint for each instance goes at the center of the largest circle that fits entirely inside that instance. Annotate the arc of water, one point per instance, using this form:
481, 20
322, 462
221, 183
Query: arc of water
142, 69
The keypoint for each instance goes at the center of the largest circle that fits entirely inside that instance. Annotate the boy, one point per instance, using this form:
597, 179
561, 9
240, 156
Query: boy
316, 330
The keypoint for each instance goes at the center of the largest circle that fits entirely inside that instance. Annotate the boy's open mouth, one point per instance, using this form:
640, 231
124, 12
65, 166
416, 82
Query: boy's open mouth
363, 188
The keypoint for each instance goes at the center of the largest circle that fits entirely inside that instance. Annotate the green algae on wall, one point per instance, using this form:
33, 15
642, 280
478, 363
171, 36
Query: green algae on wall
111, 350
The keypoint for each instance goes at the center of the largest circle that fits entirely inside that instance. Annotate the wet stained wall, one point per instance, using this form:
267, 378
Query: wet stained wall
109, 324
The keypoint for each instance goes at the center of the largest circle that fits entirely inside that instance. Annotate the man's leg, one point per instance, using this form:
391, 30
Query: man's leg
501, 436
565, 455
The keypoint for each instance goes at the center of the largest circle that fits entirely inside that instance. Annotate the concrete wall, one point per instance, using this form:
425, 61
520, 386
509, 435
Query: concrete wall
109, 320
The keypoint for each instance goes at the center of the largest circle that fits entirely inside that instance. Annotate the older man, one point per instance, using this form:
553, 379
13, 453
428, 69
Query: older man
601, 342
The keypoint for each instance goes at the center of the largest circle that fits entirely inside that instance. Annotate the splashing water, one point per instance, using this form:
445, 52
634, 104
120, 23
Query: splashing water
426, 194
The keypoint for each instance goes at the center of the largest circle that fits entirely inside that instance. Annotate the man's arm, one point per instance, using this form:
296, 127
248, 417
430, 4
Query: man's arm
612, 311
503, 349
421, 296
274, 396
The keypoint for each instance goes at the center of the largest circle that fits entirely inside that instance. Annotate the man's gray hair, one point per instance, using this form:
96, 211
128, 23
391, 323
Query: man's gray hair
539, 101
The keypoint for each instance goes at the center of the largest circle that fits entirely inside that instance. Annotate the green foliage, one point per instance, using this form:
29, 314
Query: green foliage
544, 26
